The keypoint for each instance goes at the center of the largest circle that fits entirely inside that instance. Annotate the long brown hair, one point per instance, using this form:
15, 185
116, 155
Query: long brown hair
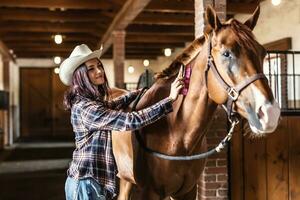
82, 87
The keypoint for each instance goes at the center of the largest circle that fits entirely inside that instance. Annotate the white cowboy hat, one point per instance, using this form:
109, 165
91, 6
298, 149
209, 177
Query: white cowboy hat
80, 54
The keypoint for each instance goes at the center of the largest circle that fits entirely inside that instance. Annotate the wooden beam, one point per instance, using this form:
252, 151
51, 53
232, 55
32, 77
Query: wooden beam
133, 45
36, 45
41, 49
5, 52
141, 57
48, 27
64, 54
105, 56
136, 56
158, 38
154, 45
66, 4
125, 16
22, 14
188, 7
160, 29
165, 19
171, 6
41, 54
150, 48
244, 8
283, 44
68, 48
142, 51
33, 37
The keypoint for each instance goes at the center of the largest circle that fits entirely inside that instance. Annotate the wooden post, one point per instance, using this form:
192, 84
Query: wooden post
200, 6
119, 57
6, 74
6, 58
6, 112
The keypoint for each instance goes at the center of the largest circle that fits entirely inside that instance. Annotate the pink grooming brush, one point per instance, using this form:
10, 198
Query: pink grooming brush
186, 80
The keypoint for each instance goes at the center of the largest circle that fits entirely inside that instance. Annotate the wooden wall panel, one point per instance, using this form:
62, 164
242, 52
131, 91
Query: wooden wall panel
236, 170
42, 111
254, 169
277, 163
294, 154
3, 120
61, 118
35, 102
270, 166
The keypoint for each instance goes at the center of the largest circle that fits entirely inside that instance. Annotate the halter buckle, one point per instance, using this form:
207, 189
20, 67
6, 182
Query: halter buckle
233, 94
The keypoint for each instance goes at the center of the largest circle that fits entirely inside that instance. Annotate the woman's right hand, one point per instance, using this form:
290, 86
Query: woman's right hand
177, 85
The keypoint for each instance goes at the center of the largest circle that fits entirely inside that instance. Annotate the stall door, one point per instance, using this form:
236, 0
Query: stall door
42, 113
268, 168
61, 118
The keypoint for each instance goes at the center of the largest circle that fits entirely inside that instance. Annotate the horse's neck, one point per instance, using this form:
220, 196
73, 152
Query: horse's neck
191, 113
196, 108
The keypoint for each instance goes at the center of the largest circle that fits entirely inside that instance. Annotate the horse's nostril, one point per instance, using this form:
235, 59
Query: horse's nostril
260, 113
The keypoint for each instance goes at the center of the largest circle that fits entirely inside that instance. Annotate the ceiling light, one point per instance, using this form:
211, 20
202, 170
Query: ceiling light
56, 70
167, 52
276, 2
146, 63
130, 69
58, 39
57, 60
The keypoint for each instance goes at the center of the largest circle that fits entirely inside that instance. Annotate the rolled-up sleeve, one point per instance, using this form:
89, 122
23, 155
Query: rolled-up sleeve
98, 117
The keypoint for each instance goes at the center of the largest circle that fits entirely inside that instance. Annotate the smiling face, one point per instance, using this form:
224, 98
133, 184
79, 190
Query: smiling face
96, 72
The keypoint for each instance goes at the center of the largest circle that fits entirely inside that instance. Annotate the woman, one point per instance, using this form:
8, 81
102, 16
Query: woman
92, 172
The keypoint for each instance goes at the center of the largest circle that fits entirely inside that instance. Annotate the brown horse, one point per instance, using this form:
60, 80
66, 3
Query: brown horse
231, 48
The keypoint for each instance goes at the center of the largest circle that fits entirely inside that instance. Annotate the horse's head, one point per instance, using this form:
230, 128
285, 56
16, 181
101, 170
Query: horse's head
238, 59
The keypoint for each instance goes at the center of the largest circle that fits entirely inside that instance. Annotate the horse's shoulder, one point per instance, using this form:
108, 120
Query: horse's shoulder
116, 92
159, 90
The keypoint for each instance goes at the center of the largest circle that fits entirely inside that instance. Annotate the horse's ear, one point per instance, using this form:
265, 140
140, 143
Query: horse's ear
212, 18
251, 22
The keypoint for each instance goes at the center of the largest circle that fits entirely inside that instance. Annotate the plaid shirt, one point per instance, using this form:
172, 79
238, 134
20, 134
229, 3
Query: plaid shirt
93, 122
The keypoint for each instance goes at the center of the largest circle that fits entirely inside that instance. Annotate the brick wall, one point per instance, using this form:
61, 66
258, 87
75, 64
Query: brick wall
119, 57
213, 183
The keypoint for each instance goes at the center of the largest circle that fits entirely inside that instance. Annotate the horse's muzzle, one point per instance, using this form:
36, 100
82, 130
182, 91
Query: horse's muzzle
265, 119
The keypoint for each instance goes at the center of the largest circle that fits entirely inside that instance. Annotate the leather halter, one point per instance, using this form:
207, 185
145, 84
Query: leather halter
233, 92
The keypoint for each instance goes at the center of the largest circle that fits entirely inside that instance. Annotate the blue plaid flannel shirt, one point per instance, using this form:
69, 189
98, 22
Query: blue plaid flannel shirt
92, 124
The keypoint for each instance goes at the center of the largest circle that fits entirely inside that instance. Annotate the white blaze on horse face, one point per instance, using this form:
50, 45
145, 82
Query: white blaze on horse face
265, 117
229, 61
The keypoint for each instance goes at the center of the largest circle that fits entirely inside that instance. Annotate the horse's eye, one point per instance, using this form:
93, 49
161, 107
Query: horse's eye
226, 54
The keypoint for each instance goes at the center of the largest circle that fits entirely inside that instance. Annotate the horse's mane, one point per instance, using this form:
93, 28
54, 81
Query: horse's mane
244, 38
184, 58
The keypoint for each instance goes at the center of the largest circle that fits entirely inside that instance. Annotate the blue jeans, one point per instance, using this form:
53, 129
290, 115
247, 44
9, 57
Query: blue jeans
84, 189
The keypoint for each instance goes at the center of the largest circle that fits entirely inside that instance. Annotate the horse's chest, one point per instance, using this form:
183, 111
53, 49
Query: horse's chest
176, 175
